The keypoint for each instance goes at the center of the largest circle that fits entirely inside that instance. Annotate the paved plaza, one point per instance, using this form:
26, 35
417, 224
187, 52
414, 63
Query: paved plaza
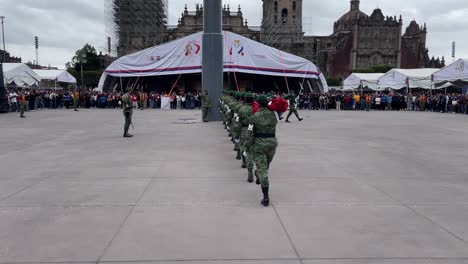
346, 188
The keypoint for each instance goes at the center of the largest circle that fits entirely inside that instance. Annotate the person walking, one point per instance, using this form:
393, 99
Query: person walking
22, 104
262, 143
127, 111
76, 98
292, 107
205, 99
245, 114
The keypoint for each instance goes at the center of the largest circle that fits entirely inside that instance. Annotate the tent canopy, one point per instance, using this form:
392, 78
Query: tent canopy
411, 78
184, 56
56, 75
355, 80
20, 74
457, 71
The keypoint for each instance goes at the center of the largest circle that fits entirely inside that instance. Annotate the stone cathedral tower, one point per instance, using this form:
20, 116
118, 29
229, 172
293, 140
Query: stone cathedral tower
286, 14
282, 25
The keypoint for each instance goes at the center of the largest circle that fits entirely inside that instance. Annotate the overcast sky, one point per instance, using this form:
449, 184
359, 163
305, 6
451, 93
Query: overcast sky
63, 26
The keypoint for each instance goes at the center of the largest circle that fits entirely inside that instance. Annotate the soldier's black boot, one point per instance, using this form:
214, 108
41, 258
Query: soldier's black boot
238, 155
287, 121
244, 164
300, 119
127, 135
266, 198
256, 176
250, 178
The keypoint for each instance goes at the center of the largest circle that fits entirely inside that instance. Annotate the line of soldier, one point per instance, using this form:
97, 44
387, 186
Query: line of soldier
251, 127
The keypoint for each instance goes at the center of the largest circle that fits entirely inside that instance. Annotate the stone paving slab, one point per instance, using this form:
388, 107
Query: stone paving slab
53, 234
363, 231
200, 232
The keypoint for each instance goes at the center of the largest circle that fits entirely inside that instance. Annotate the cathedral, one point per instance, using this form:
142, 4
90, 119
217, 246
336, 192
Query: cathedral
358, 41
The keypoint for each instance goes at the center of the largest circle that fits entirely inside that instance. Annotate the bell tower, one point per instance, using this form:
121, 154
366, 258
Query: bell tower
284, 14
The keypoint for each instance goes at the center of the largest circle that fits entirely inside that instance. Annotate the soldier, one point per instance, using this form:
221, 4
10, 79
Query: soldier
205, 100
127, 111
245, 114
292, 107
22, 104
261, 142
76, 98
236, 128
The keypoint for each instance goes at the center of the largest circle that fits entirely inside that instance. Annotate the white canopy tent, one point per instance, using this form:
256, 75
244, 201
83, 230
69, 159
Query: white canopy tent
455, 72
184, 56
362, 80
20, 75
56, 75
407, 78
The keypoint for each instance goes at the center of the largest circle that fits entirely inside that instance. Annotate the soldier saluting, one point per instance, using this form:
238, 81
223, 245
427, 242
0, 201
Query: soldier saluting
127, 111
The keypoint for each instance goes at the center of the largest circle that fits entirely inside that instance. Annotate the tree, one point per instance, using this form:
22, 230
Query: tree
90, 58
93, 65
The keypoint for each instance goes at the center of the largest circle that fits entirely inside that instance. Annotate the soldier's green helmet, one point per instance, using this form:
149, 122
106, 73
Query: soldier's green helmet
249, 95
262, 98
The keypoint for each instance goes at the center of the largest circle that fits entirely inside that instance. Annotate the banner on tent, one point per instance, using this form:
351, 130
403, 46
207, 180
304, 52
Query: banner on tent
165, 103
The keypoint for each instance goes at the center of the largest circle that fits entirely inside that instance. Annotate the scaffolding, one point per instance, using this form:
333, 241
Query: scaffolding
133, 25
288, 36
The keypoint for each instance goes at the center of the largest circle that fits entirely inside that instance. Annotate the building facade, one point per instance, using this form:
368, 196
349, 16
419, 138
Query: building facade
358, 41
7, 58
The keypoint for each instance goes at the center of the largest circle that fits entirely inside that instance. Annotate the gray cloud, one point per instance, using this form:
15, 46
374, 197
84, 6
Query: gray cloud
64, 26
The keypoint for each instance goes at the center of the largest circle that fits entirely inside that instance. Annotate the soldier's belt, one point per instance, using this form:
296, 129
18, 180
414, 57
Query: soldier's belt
265, 135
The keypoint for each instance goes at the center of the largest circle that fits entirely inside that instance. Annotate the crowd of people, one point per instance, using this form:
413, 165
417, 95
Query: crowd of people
58, 99
436, 102
433, 102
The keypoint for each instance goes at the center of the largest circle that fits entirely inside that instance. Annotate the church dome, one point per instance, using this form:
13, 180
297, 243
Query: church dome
413, 28
377, 15
354, 13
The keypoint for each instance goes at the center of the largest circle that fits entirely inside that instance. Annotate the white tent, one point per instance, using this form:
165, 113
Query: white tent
356, 80
407, 78
20, 75
56, 75
184, 56
457, 71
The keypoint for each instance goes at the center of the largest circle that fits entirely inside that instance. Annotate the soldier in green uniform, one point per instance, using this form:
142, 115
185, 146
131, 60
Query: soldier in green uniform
292, 107
76, 100
245, 115
205, 100
127, 111
261, 142
236, 127
22, 104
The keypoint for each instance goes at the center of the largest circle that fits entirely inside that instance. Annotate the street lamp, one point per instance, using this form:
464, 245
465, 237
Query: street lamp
2, 18
82, 59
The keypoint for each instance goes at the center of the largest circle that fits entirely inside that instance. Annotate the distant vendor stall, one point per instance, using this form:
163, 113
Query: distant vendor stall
19, 75
362, 82
408, 79
52, 79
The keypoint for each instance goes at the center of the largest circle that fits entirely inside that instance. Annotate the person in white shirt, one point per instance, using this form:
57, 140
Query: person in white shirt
13, 96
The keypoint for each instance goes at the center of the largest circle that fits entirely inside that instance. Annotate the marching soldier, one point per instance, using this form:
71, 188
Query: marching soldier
261, 142
292, 107
245, 114
127, 111
22, 104
76, 98
205, 100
